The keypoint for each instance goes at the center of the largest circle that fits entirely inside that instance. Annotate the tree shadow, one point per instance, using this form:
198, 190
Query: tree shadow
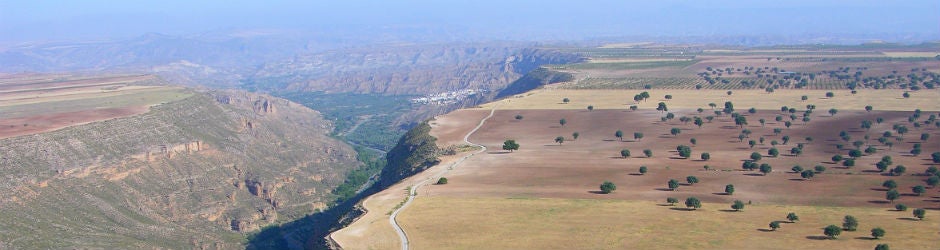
879, 189
817, 237
729, 210
498, 153
871, 171
666, 205
681, 209
664, 189
878, 202
753, 174
865, 238
797, 179
636, 174
764, 230
609, 140
720, 193
908, 219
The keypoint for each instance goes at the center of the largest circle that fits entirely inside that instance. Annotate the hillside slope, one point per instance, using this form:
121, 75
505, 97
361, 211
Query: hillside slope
407, 70
195, 173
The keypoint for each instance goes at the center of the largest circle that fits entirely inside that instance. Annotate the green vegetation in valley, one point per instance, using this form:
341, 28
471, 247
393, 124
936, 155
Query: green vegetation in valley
374, 114
372, 164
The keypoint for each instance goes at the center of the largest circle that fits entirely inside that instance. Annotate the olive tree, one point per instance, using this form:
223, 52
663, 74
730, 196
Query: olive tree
919, 213
765, 168
832, 231
797, 169
877, 232
900, 207
737, 205
607, 187
807, 174
691, 179
673, 184
774, 225
919, 190
892, 195
889, 184
693, 203
849, 223
510, 145
792, 217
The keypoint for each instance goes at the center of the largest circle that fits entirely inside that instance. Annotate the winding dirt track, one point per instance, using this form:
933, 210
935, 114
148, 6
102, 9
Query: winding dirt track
412, 192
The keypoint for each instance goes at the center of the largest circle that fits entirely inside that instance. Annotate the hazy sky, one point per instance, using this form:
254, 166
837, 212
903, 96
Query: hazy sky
38, 20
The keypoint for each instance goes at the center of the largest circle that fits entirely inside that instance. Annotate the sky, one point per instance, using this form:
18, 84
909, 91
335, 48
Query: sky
44, 20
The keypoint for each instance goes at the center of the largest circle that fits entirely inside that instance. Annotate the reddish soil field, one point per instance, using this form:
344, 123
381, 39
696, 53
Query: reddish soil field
9, 85
542, 168
451, 128
47, 122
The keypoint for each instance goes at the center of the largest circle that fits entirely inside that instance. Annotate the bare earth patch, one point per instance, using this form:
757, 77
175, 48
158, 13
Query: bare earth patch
889, 100
545, 194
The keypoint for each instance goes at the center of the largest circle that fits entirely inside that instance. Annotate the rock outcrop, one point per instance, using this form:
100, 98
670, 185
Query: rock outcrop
201, 172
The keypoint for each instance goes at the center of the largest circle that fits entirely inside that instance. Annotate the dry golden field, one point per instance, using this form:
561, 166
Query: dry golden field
529, 223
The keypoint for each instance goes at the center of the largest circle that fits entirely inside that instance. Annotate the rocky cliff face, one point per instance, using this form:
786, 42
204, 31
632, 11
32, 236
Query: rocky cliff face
196, 173
416, 151
408, 70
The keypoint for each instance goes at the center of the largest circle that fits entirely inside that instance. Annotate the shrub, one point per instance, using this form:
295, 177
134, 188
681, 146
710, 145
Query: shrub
693, 203
877, 232
849, 223
832, 231
608, 187
900, 207
672, 201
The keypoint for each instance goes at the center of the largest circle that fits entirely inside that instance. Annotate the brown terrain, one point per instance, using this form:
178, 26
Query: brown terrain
142, 166
573, 169
45, 103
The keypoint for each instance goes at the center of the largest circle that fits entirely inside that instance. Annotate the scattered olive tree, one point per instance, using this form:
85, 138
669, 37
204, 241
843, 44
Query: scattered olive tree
608, 187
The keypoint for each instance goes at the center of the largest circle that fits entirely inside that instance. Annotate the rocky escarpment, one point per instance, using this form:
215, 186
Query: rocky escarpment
416, 151
407, 70
197, 173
